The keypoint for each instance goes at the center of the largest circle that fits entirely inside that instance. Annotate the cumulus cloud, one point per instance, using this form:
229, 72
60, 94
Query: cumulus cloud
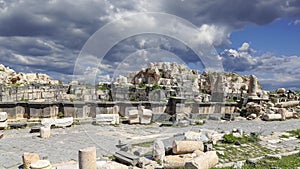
273, 71
48, 35
240, 60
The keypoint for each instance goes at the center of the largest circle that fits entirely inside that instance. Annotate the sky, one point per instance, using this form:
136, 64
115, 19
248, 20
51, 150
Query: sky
62, 37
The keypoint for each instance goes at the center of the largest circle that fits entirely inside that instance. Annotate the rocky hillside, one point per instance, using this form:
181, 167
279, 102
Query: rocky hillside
173, 74
10, 77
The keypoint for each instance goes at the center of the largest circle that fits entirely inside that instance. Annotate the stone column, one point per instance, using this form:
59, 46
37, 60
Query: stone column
45, 132
184, 147
87, 158
252, 86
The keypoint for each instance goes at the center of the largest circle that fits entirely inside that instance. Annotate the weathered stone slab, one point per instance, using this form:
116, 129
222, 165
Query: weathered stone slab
3, 125
133, 116
126, 158
158, 150
206, 161
145, 116
127, 109
196, 136
3, 116
41, 164
63, 122
107, 119
175, 161
160, 117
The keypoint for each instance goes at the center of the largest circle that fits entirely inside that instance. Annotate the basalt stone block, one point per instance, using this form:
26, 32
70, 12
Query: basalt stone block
160, 117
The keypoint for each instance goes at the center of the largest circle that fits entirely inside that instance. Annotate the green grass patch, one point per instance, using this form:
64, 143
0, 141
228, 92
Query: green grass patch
284, 136
287, 162
231, 139
248, 150
145, 144
295, 133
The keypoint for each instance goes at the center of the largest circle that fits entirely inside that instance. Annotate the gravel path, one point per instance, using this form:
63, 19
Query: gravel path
63, 145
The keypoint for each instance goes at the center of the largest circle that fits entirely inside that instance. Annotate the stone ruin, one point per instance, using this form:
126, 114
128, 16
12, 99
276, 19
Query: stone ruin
165, 93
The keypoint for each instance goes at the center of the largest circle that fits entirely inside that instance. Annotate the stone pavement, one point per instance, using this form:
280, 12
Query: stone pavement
63, 145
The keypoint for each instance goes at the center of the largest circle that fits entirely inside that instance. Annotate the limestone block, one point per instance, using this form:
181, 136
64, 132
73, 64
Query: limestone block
184, 147
3, 116
173, 162
41, 164
133, 116
158, 150
127, 109
195, 136
116, 109
252, 116
206, 161
287, 104
107, 119
3, 125
145, 117
87, 158
45, 132
270, 117
64, 122
29, 158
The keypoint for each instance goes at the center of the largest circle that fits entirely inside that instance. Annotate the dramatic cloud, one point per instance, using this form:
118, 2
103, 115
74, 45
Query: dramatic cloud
47, 36
272, 71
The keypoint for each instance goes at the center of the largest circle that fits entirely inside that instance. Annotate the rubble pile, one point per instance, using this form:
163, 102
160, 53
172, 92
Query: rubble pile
9, 76
286, 106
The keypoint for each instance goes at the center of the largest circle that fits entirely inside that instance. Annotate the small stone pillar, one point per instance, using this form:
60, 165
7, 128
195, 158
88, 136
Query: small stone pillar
29, 158
45, 132
87, 158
